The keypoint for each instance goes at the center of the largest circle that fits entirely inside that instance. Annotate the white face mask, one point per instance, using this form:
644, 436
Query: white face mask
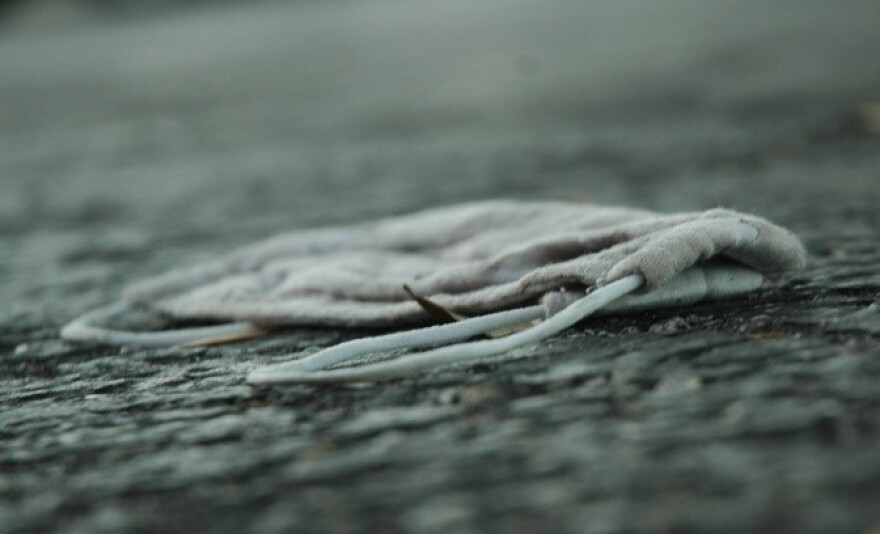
505, 263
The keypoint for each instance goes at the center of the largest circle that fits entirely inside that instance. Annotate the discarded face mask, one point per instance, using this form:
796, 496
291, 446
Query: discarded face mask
501, 263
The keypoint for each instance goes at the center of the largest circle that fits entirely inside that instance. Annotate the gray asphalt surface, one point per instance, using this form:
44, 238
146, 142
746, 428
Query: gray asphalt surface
131, 146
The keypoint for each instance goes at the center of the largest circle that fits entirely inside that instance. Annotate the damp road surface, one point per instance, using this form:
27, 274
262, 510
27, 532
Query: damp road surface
136, 142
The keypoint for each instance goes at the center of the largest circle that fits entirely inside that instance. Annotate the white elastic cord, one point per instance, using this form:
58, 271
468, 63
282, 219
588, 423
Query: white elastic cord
419, 338
84, 328
309, 369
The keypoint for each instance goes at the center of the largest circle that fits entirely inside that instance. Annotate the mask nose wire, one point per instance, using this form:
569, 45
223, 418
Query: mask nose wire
311, 368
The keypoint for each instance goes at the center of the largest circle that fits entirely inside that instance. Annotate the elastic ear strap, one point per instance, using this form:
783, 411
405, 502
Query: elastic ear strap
308, 370
414, 339
85, 328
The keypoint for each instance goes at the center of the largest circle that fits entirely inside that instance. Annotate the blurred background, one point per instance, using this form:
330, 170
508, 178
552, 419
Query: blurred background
195, 126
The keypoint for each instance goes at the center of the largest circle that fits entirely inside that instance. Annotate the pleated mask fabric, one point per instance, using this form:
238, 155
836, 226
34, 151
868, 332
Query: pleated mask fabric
475, 260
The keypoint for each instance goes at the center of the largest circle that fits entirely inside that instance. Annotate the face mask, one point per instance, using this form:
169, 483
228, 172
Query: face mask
490, 265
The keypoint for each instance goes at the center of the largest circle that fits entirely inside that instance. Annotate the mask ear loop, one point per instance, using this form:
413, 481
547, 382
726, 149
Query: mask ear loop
85, 328
312, 368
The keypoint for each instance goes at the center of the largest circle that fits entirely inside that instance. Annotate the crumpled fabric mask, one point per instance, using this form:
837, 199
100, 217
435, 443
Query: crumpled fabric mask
500, 262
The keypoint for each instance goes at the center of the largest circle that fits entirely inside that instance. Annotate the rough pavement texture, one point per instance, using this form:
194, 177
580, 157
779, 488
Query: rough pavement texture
129, 148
